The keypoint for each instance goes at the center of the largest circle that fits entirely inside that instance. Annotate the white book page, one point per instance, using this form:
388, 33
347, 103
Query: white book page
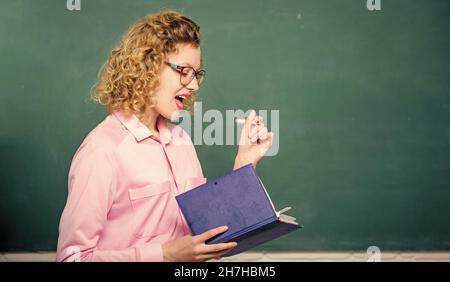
280, 215
268, 197
288, 219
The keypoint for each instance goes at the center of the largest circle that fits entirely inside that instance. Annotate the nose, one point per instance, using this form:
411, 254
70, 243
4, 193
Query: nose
193, 85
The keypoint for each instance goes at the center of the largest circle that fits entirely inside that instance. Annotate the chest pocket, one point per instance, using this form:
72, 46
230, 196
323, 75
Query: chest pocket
154, 209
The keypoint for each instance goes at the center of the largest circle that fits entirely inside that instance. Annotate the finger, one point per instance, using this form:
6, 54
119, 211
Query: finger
215, 255
214, 248
266, 144
260, 119
249, 120
211, 233
269, 140
257, 120
244, 139
254, 130
261, 131
263, 134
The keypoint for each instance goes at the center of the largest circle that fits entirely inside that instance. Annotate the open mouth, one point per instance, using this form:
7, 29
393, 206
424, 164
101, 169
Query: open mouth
180, 98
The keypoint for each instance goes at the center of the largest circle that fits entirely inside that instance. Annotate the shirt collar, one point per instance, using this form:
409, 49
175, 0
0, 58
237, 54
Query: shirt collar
140, 131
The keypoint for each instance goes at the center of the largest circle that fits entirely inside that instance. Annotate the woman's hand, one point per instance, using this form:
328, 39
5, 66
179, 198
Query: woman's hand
193, 248
254, 141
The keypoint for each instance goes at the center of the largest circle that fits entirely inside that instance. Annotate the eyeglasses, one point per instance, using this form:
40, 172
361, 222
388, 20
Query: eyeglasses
187, 74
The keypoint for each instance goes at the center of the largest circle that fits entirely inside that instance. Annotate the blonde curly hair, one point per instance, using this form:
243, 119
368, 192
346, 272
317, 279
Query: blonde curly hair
129, 78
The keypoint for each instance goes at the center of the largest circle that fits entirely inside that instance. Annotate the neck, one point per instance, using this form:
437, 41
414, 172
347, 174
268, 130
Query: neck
149, 119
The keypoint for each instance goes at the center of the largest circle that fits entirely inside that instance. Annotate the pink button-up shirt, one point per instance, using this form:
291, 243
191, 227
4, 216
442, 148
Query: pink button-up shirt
122, 185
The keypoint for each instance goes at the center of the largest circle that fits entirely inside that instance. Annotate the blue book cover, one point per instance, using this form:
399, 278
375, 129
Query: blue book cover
240, 201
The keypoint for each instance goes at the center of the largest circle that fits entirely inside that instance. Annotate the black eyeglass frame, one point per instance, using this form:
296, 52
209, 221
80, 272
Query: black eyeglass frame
199, 75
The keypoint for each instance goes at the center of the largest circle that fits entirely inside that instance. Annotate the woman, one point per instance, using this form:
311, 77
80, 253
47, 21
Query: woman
126, 173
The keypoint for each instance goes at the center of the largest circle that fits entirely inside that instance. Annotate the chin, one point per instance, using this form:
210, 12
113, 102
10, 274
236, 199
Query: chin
173, 115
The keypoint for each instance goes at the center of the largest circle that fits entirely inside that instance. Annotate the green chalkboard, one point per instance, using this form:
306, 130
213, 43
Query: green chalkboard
363, 99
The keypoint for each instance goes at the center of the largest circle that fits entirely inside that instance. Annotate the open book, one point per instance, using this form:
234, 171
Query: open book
240, 201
